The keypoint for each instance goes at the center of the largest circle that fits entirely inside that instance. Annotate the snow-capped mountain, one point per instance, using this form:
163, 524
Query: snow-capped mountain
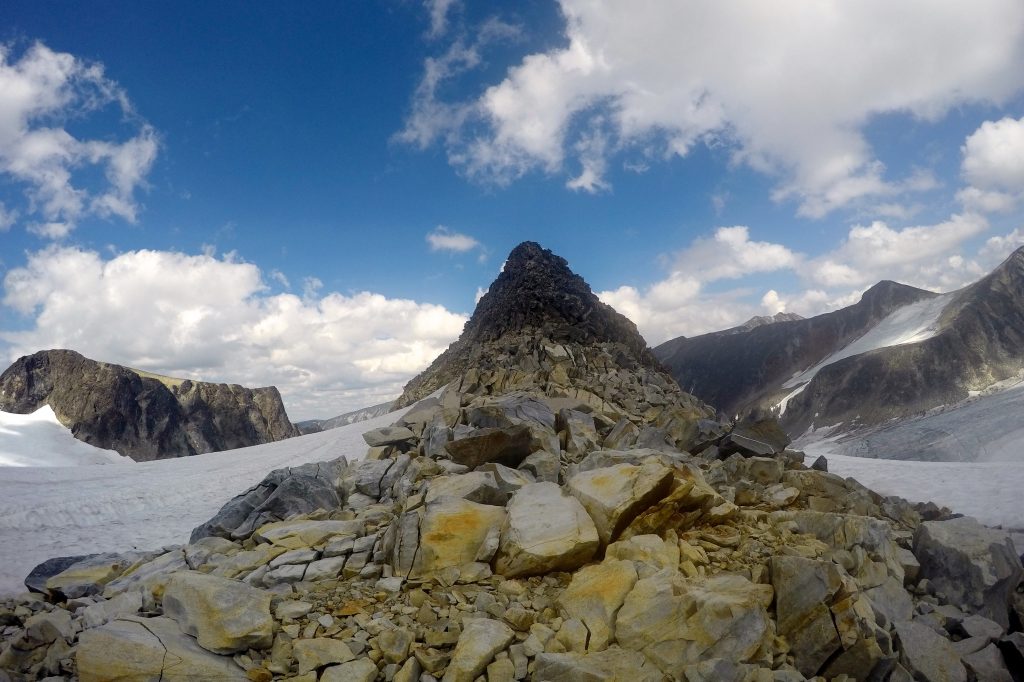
317, 425
911, 373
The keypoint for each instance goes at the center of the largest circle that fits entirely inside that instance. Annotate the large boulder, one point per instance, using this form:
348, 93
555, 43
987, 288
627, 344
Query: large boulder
35, 581
509, 446
675, 622
225, 616
149, 649
451, 533
973, 567
595, 596
545, 530
804, 589
615, 495
610, 665
928, 655
90, 575
281, 494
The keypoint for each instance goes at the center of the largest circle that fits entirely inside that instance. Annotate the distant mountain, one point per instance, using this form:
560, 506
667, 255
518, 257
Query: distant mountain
897, 354
318, 425
762, 320
141, 415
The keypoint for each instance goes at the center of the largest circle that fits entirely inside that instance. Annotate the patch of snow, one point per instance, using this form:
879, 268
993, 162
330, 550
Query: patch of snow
47, 512
40, 440
910, 324
988, 491
785, 401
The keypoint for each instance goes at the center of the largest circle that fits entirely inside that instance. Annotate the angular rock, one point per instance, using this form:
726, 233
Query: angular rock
804, 589
974, 567
676, 623
149, 649
927, 655
545, 531
388, 435
544, 466
505, 446
512, 410
281, 494
579, 434
987, 665
35, 581
614, 496
595, 595
360, 670
509, 480
452, 533
225, 616
304, 533
91, 575
481, 639
476, 486
649, 552
316, 653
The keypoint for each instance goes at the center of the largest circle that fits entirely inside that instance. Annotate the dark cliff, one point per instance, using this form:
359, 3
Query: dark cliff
143, 416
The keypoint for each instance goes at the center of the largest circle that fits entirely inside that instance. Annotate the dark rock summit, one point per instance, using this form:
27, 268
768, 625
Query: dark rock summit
536, 296
139, 415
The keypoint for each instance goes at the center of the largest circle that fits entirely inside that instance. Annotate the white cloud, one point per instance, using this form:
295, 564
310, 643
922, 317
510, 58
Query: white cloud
729, 254
439, 10
910, 254
993, 166
443, 239
40, 90
214, 319
789, 86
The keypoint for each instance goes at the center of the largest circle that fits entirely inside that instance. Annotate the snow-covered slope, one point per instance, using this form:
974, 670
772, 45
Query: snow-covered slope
40, 440
988, 491
910, 324
60, 511
984, 428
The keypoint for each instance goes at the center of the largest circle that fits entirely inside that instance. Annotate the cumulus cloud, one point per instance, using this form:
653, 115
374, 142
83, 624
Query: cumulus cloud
212, 318
438, 10
789, 87
730, 253
39, 92
993, 166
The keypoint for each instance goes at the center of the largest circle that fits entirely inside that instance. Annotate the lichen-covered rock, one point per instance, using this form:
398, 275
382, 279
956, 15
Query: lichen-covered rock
546, 530
225, 616
804, 590
149, 649
595, 596
614, 496
451, 533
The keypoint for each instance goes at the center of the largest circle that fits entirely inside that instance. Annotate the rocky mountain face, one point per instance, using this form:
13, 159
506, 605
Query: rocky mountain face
976, 340
739, 370
318, 425
540, 518
139, 415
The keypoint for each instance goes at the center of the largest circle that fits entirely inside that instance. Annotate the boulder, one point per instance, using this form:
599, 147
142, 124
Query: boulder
359, 670
543, 465
927, 655
90, 575
545, 530
973, 567
481, 639
304, 533
614, 496
987, 665
451, 533
35, 581
595, 595
281, 494
578, 432
149, 649
476, 486
676, 623
320, 651
225, 616
804, 589
508, 446
649, 553
509, 480
389, 435
511, 410
149, 575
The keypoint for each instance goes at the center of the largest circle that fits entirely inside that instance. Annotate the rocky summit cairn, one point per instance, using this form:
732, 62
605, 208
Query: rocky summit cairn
559, 511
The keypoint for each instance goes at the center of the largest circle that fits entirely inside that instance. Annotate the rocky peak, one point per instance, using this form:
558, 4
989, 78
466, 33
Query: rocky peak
538, 306
537, 290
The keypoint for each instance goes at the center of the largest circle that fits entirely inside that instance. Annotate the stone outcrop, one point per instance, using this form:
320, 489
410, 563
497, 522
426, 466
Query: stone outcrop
643, 562
141, 415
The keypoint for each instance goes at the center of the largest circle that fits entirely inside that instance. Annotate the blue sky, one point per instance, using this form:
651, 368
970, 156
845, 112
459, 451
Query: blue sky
313, 196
